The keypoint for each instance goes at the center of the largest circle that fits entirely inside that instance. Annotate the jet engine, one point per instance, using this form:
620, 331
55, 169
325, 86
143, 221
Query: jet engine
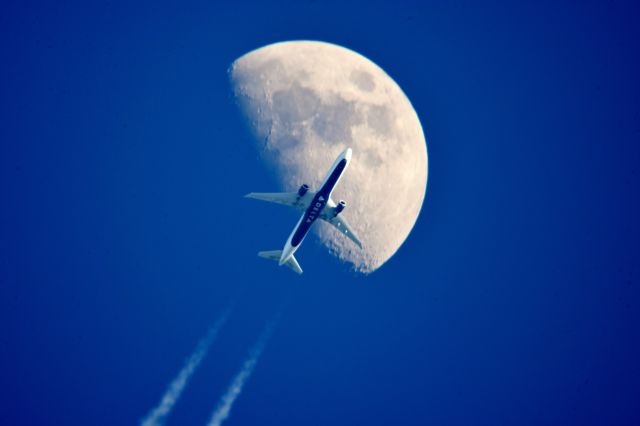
341, 205
303, 190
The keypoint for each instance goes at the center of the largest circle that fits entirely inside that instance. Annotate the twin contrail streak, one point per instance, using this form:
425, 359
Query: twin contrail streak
158, 415
223, 409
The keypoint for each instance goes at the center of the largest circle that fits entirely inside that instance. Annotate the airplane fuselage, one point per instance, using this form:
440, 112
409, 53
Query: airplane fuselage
317, 205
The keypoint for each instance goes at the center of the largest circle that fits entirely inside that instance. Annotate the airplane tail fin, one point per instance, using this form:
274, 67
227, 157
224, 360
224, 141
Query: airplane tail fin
292, 263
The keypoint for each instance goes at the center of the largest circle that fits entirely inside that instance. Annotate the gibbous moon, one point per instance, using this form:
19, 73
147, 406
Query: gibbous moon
307, 101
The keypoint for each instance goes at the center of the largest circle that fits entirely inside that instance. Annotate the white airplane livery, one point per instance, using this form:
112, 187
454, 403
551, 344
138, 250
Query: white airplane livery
314, 205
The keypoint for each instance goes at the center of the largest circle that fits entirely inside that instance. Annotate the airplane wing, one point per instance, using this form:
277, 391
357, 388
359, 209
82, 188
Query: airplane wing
292, 199
329, 216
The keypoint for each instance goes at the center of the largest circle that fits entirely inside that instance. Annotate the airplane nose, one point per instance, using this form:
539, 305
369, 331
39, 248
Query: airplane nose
347, 154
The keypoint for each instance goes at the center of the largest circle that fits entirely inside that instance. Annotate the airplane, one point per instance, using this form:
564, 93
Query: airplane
314, 205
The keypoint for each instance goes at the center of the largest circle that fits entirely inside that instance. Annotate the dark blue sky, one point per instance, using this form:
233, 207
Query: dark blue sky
124, 234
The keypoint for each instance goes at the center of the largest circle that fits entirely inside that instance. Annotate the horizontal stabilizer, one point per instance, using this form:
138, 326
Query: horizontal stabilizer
274, 255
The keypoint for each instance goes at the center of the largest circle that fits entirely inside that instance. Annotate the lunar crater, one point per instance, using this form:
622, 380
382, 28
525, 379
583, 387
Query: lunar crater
363, 80
380, 120
333, 121
294, 104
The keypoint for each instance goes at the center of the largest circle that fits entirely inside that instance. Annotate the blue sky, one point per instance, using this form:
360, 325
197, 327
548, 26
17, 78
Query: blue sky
124, 235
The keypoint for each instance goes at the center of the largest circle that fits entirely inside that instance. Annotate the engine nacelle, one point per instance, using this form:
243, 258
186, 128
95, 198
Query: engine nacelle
341, 205
303, 190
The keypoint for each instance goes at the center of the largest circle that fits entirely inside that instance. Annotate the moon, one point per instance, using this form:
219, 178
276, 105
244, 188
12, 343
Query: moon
306, 101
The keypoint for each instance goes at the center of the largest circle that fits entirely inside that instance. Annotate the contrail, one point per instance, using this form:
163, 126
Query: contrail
223, 409
158, 415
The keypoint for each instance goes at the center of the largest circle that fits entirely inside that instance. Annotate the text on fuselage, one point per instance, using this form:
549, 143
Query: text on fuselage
315, 210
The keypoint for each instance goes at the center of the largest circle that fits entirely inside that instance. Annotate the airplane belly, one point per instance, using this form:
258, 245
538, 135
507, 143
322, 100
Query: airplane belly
302, 230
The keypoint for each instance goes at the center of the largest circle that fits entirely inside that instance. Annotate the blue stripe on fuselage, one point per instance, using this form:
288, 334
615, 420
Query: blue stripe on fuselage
317, 204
